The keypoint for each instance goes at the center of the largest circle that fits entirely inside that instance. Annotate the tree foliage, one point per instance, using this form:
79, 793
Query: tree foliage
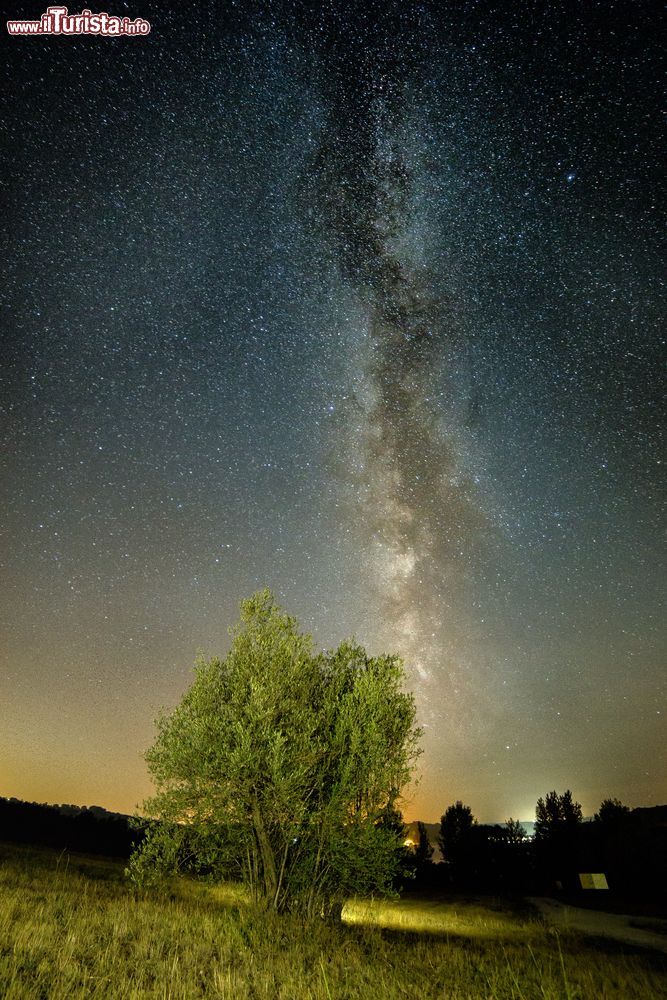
283, 767
612, 813
515, 832
457, 837
558, 821
456, 832
556, 815
423, 851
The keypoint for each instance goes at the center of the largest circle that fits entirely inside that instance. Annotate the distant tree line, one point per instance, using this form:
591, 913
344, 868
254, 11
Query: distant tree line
628, 846
67, 827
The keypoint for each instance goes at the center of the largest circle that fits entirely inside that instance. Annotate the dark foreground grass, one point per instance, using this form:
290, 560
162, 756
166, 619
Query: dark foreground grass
70, 927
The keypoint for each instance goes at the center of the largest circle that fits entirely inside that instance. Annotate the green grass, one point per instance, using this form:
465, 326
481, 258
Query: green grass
70, 927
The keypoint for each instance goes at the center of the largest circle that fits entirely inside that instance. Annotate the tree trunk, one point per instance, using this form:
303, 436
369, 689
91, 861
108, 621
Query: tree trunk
266, 854
277, 898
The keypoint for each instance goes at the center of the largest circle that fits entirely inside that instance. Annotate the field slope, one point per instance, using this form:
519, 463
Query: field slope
71, 928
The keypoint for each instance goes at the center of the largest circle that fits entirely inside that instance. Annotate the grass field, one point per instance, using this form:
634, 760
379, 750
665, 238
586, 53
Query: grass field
70, 927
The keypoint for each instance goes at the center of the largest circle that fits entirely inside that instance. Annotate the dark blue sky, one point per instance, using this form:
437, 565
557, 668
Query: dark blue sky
362, 303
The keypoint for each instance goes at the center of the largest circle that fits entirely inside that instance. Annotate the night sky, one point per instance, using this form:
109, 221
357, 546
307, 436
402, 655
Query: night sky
361, 303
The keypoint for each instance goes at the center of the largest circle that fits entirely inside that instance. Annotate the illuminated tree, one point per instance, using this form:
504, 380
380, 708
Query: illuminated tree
282, 767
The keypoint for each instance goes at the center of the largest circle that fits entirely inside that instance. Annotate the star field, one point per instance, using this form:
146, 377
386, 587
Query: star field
363, 304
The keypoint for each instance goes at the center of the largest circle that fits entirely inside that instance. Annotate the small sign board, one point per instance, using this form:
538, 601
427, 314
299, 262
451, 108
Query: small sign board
598, 880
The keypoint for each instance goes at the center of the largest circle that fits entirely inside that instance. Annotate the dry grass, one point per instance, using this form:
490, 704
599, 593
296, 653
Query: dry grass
71, 928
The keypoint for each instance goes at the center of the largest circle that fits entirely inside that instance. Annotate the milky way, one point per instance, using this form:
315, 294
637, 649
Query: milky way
412, 504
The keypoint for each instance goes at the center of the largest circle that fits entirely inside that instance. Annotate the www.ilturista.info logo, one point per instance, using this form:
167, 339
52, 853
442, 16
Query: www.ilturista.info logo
57, 21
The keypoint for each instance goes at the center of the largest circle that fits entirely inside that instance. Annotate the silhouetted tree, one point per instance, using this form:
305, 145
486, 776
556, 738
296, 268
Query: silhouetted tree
611, 813
614, 843
455, 826
557, 821
556, 813
423, 849
421, 854
515, 832
457, 840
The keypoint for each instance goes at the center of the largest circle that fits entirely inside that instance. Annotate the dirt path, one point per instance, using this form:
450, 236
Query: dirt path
619, 926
